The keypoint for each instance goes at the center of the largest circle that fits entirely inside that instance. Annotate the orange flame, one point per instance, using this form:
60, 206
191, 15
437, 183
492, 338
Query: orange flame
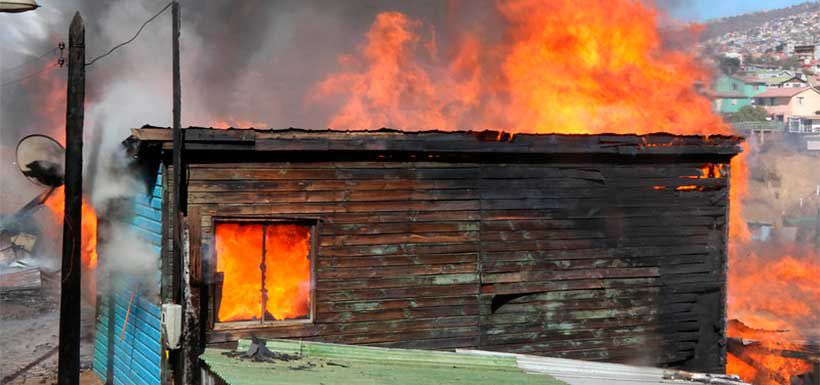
287, 271
708, 170
761, 362
776, 294
51, 108
56, 206
737, 366
231, 122
767, 289
558, 69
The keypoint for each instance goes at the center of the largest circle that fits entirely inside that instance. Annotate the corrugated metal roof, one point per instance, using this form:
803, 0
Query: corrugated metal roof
332, 364
575, 372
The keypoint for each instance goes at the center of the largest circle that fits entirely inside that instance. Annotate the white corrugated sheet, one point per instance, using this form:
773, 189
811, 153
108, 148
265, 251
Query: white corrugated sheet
577, 372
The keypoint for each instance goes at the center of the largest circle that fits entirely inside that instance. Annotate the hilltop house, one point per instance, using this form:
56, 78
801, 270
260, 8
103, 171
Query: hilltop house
733, 92
799, 108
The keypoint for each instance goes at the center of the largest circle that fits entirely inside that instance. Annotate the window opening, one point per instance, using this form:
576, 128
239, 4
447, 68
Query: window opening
263, 271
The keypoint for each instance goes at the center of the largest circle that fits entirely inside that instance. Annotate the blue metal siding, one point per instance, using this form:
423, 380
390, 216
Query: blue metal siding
137, 346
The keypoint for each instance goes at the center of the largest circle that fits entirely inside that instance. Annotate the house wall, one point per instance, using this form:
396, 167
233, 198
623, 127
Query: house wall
809, 106
132, 328
725, 85
596, 260
731, 105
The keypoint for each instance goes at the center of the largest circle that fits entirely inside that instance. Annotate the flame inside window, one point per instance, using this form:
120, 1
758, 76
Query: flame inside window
263, 271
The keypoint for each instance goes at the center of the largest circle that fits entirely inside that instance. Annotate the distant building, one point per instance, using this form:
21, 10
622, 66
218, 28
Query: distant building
733, 92
805, 52
789, 81
813, 66
798, 108
767, 71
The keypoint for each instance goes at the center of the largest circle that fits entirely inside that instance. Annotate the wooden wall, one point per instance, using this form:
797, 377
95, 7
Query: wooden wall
602, 261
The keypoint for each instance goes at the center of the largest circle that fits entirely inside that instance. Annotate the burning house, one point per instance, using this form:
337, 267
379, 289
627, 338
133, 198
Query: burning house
596, 247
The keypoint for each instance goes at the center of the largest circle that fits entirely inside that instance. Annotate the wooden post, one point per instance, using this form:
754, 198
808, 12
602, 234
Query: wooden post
68, 372
179, 175
177, 356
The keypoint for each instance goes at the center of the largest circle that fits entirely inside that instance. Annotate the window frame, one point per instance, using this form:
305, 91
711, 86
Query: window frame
310, 222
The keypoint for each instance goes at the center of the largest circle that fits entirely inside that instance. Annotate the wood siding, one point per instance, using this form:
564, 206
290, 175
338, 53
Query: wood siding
599, 260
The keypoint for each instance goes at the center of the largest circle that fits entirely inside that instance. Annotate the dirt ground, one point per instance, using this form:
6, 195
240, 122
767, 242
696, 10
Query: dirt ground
87, 377
29, 328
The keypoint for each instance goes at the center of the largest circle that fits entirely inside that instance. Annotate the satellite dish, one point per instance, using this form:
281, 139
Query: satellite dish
42, 160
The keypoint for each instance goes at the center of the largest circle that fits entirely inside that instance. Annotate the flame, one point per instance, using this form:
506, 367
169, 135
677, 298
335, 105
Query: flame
229, 122
762, 362
738, 192
50, 109
287, 271
560, 69
56, 206
770, 290
557, 69
737, 366
776, 293
708, 170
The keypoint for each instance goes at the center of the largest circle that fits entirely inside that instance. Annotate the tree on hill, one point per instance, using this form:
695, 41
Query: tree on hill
749, 114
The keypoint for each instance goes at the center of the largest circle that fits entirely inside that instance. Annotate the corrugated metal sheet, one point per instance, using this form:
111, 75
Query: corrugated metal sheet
576, 372
334, 364
137, 346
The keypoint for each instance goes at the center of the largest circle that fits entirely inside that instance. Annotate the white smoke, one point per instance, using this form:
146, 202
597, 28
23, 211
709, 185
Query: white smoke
130, 255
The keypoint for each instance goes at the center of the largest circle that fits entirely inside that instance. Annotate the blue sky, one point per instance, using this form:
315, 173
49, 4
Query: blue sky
700, 10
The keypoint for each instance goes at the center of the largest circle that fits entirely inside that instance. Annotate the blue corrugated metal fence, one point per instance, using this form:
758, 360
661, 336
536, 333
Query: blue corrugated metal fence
137, 347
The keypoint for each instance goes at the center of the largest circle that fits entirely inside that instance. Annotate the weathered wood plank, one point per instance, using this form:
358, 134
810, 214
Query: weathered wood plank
396, 260
27, 279
399, 238
455, 289
412, 270
398, 281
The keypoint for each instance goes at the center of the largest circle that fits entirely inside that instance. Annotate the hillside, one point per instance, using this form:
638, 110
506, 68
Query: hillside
741, 23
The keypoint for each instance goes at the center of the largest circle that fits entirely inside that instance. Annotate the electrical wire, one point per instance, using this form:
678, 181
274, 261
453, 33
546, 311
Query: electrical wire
132, 38
87, 64
47, 68
32, 60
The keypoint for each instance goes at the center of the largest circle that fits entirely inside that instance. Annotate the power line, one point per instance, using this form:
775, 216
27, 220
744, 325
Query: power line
132, 38
32, 60
47, 68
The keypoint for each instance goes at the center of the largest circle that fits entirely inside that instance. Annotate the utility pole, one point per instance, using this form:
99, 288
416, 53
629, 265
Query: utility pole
179, 195
68, 372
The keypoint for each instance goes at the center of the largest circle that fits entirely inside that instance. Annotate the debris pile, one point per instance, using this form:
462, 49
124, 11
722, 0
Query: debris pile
258, 352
